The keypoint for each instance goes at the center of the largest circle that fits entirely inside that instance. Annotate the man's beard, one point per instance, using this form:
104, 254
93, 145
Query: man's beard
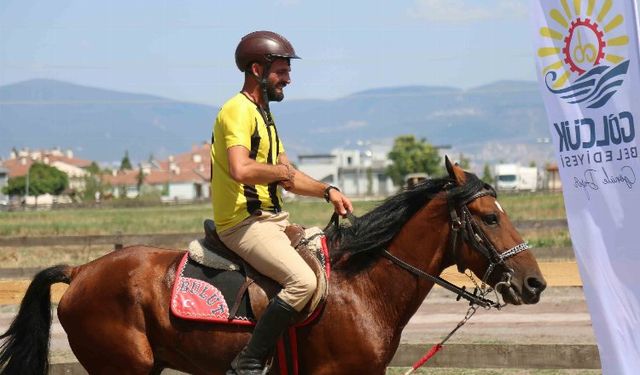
273, 95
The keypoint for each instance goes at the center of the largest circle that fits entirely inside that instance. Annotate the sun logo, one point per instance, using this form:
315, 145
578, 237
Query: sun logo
586, 60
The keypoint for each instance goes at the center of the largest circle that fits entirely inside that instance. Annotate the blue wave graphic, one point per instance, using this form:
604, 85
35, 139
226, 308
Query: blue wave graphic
594, 87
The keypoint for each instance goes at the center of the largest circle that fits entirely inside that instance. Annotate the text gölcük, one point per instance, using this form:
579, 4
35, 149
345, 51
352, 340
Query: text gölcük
615, 130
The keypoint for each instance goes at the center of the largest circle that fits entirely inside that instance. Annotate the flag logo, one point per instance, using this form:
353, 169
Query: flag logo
584, 52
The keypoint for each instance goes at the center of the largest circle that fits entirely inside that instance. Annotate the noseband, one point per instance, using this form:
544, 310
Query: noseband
464, 226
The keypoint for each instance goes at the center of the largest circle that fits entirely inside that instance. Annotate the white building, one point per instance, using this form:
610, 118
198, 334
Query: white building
356, 172
20, 161
181, 177
75, 174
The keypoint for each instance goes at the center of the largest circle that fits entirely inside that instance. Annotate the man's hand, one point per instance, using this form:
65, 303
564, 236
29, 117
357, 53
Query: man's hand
298, 182
288, 183
341, 204
245, 170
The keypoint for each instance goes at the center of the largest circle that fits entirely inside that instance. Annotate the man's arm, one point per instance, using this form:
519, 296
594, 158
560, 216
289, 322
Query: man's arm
302, 184
245, 170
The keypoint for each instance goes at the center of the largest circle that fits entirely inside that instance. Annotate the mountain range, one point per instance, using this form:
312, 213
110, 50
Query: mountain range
503, 121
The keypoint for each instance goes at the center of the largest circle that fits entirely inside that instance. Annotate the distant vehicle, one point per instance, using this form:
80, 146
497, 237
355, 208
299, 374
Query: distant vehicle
515, 177
412, 179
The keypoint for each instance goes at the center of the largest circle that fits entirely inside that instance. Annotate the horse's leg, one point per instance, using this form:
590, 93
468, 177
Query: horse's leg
348, 339
121, 351
103, 314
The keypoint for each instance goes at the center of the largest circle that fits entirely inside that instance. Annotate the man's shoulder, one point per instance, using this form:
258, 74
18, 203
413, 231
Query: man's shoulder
236, 114
238, 110
236, 103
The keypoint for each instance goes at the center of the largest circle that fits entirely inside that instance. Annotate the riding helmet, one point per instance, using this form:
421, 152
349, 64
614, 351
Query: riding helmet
262, 47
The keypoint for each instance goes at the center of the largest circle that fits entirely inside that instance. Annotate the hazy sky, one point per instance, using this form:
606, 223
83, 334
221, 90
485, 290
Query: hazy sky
184, 49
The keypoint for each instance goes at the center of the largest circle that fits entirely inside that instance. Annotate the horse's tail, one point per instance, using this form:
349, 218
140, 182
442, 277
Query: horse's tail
25, 349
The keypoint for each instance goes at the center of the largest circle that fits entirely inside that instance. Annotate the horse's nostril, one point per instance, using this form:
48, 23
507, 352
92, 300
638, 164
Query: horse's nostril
535, 284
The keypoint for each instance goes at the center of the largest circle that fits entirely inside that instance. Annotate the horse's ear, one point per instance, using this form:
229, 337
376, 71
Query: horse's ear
454, 170
449, 166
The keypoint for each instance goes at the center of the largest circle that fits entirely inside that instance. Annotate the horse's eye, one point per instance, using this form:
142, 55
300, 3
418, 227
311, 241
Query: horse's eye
490, 219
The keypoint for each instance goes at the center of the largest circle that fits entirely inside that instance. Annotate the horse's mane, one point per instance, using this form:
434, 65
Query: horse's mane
354, 247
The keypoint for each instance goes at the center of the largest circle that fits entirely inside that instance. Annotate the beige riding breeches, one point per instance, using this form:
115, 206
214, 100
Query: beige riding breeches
260, 240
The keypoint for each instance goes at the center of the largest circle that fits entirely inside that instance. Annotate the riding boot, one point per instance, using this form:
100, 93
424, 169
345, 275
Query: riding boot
275, 320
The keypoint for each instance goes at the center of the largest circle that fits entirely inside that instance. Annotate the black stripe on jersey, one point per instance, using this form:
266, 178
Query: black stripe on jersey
255, 142
277, 140
275, 192
250, 192
273, 187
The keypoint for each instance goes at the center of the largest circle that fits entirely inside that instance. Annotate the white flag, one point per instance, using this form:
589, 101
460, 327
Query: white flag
587, 62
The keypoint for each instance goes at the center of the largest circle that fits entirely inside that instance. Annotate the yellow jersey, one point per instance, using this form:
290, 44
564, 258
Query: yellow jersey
241, 122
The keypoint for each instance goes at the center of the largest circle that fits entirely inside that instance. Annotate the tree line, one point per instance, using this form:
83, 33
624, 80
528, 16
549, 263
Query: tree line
412, 155
45, 179
408, 155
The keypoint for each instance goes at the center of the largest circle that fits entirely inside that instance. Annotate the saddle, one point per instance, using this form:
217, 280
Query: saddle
252, 290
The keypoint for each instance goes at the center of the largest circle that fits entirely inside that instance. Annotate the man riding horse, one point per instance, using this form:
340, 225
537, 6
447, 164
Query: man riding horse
248, 164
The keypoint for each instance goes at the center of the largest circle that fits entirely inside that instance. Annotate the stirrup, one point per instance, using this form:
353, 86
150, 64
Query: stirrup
265, 370
267, 366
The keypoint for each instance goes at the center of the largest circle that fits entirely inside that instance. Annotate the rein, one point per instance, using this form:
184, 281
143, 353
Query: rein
465, 226
461, 292
462, 225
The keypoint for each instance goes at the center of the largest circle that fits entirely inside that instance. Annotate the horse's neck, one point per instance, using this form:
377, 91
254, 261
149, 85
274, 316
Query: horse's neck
423, 249
393, 294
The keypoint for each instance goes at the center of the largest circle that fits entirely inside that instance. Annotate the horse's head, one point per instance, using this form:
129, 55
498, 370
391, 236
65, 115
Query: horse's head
484, 240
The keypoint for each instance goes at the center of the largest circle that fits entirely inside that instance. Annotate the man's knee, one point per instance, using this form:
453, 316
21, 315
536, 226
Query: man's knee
304, 284
309, 282
300, 288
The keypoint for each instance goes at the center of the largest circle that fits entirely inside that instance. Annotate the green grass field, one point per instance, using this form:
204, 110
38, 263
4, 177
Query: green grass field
533, 206
141, 220
188, 218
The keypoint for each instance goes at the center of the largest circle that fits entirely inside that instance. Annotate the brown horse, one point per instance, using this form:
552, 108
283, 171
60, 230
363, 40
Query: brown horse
117, 317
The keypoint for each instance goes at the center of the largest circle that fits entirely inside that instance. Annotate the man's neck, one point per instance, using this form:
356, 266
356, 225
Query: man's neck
253, 93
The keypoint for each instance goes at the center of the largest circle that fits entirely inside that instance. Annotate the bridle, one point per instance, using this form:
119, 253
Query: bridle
465, 228
465, 225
